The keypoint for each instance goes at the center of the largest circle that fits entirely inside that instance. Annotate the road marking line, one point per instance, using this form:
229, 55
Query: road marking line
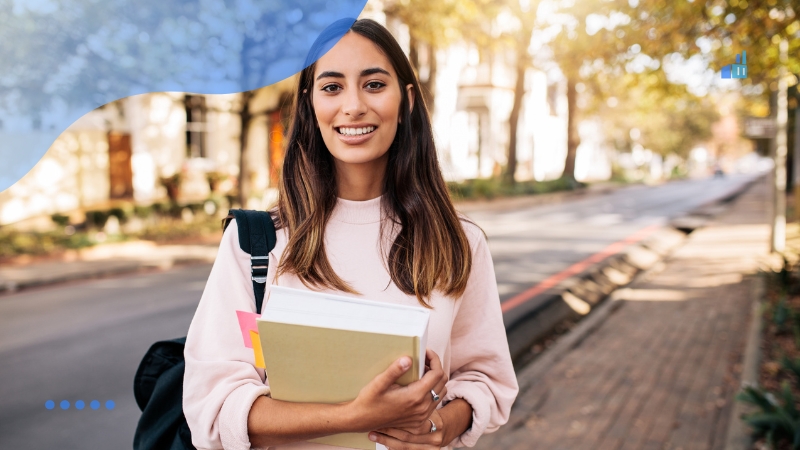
554, 280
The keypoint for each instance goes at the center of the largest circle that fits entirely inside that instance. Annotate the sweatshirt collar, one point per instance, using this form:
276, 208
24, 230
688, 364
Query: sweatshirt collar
357, 212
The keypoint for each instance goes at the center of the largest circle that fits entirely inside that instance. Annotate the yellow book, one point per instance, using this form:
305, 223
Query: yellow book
324, 348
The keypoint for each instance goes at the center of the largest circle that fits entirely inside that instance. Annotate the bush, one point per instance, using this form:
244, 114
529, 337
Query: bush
175, 229
490, 188
777, 418
143, 212
14, 243
60, 219
123, 213
97, 219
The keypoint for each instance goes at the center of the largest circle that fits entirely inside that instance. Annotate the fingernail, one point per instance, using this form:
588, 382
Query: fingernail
372, 437
405, 363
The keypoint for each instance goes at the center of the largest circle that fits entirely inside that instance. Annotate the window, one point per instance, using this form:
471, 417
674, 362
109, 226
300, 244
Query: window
196, 126
552, 98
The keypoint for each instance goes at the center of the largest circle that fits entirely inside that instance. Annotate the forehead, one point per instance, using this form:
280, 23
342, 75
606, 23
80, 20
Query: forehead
352, 54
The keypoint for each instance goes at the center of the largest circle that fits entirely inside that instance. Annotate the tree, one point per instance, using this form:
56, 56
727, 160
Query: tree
669, 121
432, 25
582, 53
520, 40
603, 43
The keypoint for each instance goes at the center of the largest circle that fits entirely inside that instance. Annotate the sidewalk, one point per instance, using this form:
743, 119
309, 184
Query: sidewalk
661, 371
104, 260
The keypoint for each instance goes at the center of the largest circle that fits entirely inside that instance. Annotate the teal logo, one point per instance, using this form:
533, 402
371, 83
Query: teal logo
738, 70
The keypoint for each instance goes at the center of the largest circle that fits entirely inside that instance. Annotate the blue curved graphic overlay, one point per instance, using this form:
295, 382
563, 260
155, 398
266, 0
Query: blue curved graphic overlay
63, 58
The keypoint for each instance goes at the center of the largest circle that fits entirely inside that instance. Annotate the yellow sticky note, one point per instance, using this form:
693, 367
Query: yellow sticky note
257, 349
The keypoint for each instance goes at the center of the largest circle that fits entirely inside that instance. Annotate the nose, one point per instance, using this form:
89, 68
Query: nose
353, 104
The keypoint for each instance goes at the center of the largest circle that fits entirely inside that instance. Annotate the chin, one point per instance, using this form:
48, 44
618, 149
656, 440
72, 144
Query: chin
358, 156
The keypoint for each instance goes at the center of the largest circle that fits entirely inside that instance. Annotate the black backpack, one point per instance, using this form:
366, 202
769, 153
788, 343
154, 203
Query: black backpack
158, 384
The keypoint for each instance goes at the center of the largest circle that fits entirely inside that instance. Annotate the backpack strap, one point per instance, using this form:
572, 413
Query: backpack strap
257, 238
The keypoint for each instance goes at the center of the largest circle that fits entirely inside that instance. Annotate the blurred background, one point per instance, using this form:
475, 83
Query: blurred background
525, 94
575, 132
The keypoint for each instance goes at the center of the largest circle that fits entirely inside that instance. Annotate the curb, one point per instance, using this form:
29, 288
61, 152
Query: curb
739, 435
112, 267
9, 286
533, 371
582, 294
522, 201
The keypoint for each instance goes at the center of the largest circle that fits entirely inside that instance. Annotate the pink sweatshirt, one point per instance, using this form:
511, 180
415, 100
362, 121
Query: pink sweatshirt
221, 382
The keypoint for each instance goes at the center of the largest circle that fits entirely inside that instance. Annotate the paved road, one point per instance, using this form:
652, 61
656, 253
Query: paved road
84, 340
529, 245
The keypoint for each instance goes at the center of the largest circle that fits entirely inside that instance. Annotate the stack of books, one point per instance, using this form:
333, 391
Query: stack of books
325, 348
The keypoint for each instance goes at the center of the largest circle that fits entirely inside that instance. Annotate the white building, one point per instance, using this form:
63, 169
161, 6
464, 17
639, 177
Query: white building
121, 151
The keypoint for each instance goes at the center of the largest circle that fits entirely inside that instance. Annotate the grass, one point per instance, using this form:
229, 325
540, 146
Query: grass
495, 188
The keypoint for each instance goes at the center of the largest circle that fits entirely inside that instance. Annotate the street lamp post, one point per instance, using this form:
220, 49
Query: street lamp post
778, 238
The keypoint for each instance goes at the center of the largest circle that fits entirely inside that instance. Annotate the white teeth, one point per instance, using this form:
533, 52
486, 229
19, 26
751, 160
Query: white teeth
356, 131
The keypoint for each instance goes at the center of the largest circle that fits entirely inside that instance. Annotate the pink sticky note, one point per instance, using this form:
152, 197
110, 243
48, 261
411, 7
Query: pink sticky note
247, 323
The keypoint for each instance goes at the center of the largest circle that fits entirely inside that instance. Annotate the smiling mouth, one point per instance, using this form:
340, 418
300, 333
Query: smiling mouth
361, 131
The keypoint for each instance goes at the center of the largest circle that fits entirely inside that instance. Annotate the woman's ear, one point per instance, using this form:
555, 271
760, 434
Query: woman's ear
410, 93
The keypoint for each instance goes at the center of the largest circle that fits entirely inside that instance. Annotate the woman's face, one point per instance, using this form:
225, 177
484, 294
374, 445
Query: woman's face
356, 98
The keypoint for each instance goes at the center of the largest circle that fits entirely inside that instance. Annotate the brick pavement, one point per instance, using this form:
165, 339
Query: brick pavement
662, 370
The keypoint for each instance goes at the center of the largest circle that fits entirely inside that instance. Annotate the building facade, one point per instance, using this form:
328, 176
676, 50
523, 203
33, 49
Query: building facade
126, 150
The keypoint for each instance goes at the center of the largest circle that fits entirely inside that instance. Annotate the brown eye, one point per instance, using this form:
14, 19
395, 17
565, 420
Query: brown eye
375, 85
330, 88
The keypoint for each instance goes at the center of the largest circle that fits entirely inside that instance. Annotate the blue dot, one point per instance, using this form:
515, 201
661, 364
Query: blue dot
94, 404
79, 404
49, 404
64, 404
110, 404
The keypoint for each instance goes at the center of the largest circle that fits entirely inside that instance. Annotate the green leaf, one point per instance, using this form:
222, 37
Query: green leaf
757, 397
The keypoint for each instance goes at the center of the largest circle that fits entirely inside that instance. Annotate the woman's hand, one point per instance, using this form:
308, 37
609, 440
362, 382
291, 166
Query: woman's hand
384, 404
451, 421
420, 438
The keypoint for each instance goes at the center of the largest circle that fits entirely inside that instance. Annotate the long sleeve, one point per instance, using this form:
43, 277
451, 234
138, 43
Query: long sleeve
480, 365
221, 381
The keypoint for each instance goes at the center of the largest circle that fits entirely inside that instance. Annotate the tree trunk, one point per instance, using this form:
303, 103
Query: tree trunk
245, 117
413, 53
429, 85
573, 139
513, 121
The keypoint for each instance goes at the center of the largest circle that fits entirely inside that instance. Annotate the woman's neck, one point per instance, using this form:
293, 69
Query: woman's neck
359, 182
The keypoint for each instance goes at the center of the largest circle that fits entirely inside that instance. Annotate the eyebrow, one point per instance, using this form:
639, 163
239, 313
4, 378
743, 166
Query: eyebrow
364, 73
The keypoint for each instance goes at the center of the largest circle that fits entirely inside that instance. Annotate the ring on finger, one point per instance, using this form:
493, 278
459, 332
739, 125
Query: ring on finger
435, 396
433, 426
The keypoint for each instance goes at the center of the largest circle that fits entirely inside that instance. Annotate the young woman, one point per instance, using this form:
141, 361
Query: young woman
363, 210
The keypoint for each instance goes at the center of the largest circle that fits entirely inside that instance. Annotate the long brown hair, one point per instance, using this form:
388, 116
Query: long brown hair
430, 250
